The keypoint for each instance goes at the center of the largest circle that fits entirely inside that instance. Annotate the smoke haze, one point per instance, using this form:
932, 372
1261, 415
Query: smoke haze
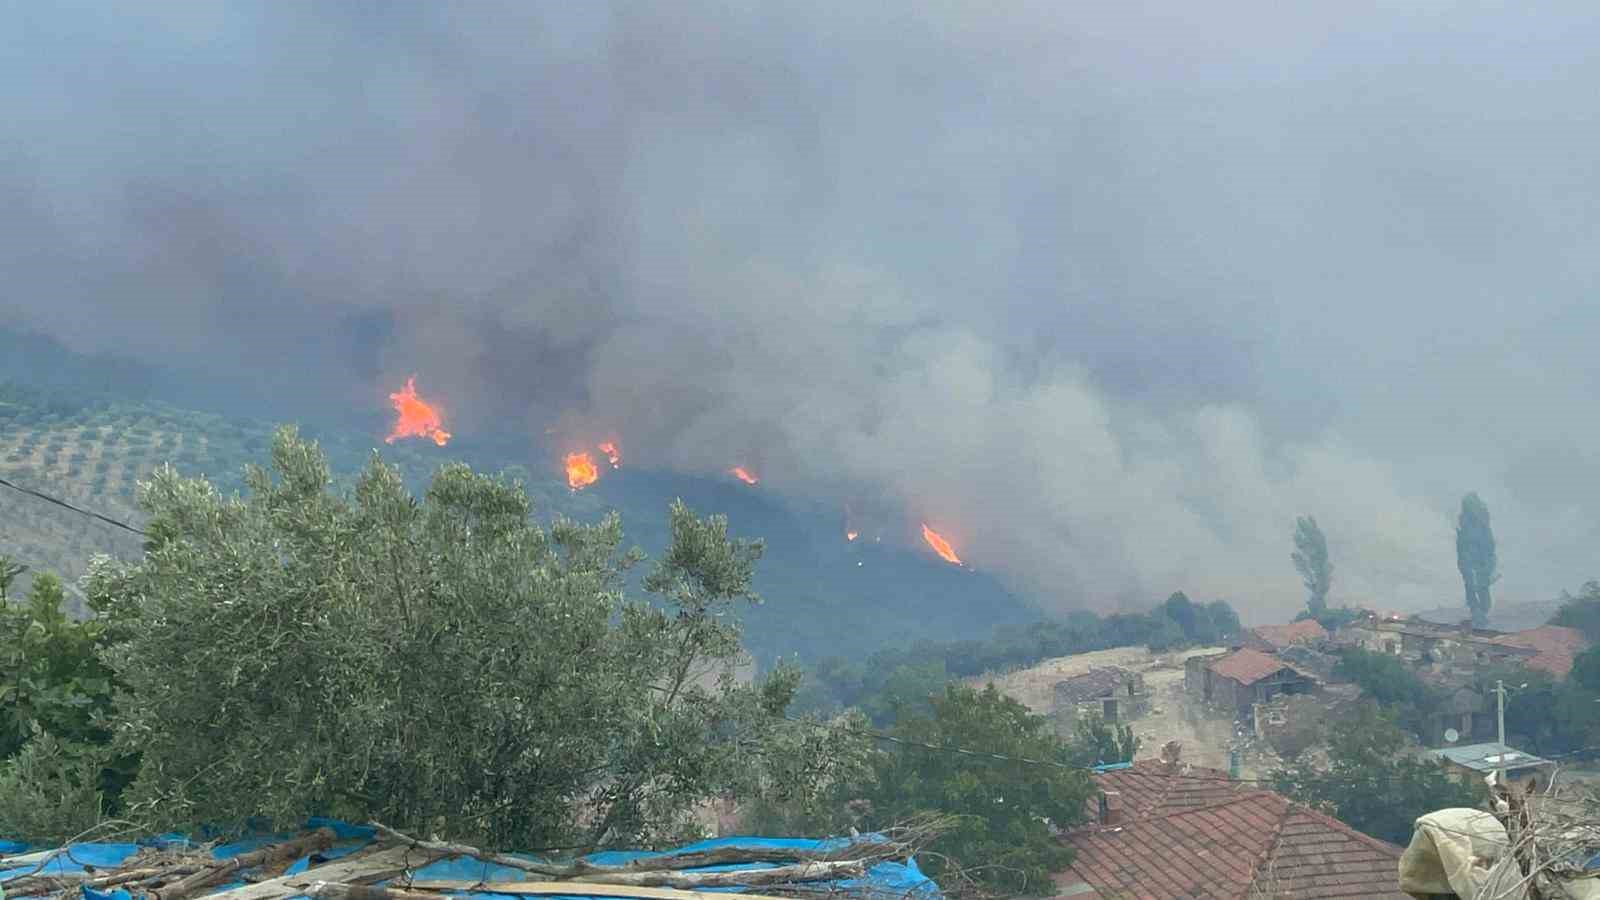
1107, 293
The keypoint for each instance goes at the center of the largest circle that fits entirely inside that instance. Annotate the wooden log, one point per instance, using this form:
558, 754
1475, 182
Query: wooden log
321, 839
565, 888
857, 850
425, 890
800, 872
379, 863
445, 848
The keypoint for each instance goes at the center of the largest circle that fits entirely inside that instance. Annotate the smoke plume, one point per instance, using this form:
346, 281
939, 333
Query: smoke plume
1106, 293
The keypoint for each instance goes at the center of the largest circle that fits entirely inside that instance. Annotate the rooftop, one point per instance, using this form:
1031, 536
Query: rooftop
1302, 632
1092, 684
1249, 666
1488, 757
1554, 647
1246, 843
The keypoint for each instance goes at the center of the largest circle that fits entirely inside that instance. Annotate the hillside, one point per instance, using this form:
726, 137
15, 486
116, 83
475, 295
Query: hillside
824, 596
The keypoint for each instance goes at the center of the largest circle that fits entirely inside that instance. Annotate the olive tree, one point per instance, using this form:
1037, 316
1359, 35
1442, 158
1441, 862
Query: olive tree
442, 663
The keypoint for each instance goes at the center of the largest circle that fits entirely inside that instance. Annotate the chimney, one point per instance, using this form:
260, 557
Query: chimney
1110, 812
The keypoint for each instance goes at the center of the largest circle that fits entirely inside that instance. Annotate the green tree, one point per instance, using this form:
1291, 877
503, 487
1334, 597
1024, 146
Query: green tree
1388, 681
56, 767
1370, 783
1311, 561
442, 663
1097, 742
1475, 557
1005, 807
1581, 612
10, 571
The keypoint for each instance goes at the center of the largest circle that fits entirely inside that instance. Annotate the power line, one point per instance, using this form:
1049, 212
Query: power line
65, 505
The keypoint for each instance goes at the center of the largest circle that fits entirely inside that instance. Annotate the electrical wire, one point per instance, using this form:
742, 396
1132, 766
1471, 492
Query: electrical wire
65, 505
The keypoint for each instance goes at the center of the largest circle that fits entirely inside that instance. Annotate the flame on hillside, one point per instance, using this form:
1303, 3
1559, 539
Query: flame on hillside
743, 475
851, 535
940, 545
581, 471
613, 455
415, 417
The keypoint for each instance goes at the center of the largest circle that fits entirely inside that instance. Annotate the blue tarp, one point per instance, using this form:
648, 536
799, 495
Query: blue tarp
899, 879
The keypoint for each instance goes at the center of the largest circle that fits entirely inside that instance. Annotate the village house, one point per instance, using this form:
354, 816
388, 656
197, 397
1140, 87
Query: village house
1113, 693
1417, 640
1163, 829
1240, 679
1276, 638
1472, 763
1554, 647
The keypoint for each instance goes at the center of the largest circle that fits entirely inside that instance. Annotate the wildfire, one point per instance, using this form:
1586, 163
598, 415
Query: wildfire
743, 475
940, 545
613, 455
416, 417
851, 535
581, 471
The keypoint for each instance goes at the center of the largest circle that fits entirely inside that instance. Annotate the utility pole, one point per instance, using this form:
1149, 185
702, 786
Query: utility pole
1500, 728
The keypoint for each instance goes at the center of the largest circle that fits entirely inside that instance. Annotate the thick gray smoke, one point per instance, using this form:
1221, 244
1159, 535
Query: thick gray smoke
1108, 292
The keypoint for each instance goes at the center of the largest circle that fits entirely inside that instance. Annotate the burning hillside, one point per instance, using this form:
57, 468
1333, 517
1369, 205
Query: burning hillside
415, 417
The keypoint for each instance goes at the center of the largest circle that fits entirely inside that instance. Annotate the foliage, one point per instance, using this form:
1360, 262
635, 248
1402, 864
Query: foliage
1332, 618
49, 792
444, 664
1581, 612
1475, 557
1310, 559
1386, 679
1097, 742
1370, 783
1586, 669
1006, 808
54, 690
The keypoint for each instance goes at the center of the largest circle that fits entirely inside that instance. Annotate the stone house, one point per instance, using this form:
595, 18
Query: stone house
1112, 692
1243, 678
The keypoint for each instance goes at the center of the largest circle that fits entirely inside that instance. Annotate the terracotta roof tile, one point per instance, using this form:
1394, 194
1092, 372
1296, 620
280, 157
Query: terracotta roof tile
1241, 843
1555, 647
1301, 632
1247, 666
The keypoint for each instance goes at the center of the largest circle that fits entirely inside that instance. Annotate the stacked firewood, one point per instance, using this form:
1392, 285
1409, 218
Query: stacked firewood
393, 859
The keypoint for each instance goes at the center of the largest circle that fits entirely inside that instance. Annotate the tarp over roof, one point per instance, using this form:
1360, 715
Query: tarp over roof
897, 879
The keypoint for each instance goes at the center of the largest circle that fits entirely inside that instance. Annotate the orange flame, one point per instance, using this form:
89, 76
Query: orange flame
581, 471
940, 545
851, 535
743, 475
613, 455
416, 417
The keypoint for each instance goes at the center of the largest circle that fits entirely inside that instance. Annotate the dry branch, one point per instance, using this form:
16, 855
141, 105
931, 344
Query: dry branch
801, 872
321, 839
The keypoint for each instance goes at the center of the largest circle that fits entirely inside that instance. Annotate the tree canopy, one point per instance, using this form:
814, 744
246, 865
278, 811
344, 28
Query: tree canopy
1475, 557
1369, 782
1310, 559
442, 662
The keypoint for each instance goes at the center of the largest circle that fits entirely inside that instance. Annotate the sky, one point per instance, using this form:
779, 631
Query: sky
1107, 292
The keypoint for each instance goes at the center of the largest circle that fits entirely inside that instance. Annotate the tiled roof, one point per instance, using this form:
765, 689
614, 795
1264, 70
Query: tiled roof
1301, 632
1554, 646
1150, 789
1253, 843
1247, 666
1091, 684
